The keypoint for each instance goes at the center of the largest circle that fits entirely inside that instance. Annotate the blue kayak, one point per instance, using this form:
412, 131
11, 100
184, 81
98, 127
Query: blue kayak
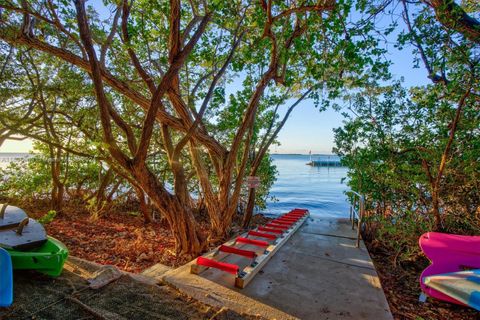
6, 279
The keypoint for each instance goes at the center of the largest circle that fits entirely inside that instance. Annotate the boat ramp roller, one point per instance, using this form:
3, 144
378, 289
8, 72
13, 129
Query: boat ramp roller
269, 238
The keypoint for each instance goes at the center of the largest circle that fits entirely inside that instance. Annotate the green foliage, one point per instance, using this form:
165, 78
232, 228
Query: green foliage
31, 179
48, 217
267, 173
26, 180
387, 141
395, 140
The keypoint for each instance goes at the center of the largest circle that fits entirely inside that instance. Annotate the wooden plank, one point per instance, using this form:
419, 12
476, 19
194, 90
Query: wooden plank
249, 272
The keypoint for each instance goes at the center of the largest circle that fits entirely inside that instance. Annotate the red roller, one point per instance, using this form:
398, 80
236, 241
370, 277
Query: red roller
276, 226
288, 222
262, 235
282, 223
287, 219
299, 210
291, 217
227, 267
240, 252
258, 243
297, 213
272, 230
294, 215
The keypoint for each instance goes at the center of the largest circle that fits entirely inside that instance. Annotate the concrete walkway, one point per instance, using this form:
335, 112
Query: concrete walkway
317, 274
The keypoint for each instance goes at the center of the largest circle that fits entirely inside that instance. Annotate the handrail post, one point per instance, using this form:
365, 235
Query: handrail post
352, 216
361, 211
357, 199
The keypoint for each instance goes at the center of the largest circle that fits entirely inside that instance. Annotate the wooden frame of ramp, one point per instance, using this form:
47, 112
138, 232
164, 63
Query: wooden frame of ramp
244, 276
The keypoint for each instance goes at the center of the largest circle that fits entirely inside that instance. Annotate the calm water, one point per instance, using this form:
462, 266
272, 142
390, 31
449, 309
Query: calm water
318, 189
6, 158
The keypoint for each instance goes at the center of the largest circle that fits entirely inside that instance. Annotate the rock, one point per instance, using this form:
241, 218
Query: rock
143, 256
104, 276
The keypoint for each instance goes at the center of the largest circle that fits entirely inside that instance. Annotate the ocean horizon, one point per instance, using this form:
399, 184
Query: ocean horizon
321, 190
298, 185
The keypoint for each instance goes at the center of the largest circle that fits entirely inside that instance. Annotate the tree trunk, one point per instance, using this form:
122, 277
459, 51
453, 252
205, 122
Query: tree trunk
181, 221
58, 188
250, 206
100, 197
178, 214
211, 201
436, 209
2, 140
144, 209
436, 183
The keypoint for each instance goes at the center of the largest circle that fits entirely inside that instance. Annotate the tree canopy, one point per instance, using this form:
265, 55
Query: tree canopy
181, 100
414, 151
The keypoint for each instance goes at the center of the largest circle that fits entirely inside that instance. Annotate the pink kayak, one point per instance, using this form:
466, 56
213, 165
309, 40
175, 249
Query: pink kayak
448, 253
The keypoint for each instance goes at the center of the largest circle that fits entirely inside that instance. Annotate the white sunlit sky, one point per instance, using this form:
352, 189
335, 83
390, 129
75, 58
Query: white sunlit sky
308, 129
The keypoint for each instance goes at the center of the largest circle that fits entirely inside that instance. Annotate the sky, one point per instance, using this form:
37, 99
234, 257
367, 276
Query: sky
12, 146
308, 129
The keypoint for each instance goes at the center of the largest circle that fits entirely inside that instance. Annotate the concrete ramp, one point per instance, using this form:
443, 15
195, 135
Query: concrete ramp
317, 274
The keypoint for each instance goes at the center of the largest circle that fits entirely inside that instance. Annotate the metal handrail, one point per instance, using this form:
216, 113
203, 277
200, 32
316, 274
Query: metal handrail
360, 199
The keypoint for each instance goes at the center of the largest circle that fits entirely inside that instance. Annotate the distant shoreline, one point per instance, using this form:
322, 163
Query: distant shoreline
9, 154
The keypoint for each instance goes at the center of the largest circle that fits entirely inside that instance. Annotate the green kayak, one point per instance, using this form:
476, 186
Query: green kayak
47, 259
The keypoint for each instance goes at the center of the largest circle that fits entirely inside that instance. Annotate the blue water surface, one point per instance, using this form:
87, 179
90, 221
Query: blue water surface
318, 189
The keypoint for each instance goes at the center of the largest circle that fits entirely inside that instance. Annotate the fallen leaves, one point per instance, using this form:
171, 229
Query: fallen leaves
402, 289
118, 239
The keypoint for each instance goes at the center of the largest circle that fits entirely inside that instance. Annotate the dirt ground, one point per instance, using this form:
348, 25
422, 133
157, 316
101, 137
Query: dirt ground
120, 237
69, 297
402, 290
117, 239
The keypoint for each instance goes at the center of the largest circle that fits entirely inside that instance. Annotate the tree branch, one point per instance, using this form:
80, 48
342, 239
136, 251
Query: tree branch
176, 63
133, 56
103, 102
452, 16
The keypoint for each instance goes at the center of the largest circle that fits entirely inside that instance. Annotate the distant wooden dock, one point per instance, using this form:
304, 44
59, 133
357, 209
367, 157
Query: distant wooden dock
325, 163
